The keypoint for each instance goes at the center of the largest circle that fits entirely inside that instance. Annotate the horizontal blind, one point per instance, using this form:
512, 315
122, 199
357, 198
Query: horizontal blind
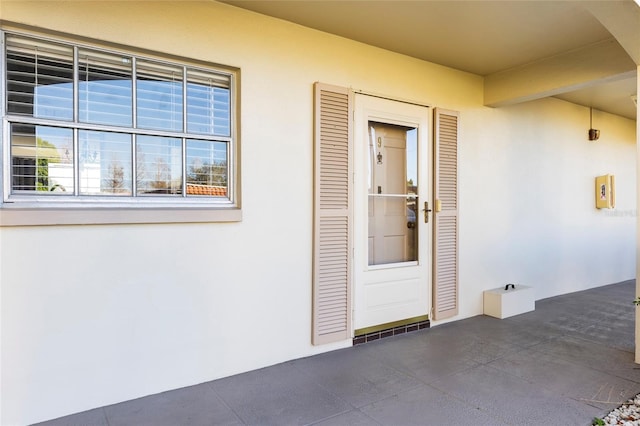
105, 87
159, 97
127, 135
208, 102
39, 78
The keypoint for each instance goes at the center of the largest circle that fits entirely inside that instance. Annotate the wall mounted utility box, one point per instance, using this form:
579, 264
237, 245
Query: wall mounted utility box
605, 192
508, 301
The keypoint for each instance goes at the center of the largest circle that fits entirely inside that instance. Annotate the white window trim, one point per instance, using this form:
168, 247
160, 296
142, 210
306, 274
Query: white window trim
31, 210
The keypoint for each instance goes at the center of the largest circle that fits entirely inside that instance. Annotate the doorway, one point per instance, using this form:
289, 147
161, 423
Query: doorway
392, 217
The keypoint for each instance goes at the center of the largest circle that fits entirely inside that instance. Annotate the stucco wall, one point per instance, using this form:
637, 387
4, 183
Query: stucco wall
93, 315
528, 199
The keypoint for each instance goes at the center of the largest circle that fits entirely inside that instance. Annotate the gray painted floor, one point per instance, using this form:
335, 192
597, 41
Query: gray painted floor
563, 364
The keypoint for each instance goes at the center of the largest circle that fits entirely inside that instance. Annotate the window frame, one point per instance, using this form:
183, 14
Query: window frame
31, 209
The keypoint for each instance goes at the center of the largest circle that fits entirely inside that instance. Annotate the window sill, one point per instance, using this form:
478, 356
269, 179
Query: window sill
21, 216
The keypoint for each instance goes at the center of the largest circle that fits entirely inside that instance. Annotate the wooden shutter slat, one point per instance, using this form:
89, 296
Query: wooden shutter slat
445, 270
332, 215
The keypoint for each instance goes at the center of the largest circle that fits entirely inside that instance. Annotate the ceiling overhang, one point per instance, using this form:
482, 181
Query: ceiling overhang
583, 51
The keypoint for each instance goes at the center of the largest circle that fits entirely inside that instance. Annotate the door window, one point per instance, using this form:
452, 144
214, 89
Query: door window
392, 193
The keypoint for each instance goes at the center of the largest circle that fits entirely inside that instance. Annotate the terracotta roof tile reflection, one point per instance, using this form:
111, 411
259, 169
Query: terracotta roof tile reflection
210, 190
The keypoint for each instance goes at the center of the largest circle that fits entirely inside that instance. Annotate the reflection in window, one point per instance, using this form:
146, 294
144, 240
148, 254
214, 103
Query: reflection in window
159, 96
39, 79
159, 165
87, 122
105, 163
42, 159
104, 88
206, 168
207, 103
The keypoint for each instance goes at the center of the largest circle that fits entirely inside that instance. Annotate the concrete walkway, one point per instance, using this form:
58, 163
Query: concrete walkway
564, 364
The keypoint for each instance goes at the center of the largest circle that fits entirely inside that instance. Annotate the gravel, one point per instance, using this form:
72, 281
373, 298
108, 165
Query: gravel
628, 414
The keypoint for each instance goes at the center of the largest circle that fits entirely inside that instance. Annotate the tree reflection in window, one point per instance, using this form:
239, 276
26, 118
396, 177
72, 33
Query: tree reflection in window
91, 122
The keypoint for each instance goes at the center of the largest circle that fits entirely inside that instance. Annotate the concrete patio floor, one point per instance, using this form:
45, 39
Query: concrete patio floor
563, 364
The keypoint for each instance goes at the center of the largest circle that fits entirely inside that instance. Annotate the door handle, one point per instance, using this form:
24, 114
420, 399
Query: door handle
426, 211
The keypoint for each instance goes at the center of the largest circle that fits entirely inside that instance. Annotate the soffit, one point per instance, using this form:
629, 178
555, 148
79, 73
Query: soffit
475, 36
480, 37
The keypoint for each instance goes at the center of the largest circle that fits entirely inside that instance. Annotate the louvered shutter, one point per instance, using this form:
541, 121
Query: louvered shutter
445, 270
332, 214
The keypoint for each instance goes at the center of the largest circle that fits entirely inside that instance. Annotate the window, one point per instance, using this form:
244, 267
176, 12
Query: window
89, 126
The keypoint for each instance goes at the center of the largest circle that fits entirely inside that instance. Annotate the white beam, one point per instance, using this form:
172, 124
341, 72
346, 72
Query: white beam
601, 62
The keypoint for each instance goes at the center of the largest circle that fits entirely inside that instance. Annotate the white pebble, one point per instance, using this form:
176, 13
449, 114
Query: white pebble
628, 414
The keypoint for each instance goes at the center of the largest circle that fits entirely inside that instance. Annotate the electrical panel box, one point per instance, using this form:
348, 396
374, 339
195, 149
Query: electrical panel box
605, 192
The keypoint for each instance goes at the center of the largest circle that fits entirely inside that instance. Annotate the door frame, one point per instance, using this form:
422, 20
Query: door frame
386, 110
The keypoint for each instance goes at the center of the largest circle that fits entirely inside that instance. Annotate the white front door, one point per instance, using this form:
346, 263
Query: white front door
392, 237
